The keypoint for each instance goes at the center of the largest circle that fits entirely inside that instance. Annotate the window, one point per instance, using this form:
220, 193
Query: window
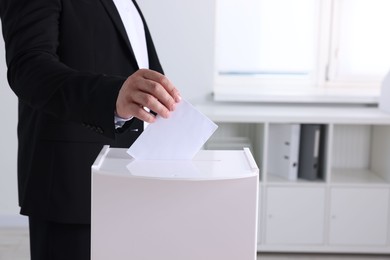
286, 50
361, 46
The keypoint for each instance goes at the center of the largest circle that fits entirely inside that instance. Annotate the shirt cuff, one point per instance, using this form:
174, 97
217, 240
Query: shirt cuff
120, 121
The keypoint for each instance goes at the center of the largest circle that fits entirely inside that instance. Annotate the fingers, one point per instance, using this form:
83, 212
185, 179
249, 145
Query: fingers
140, 113
164, 82
144, 99
147, 88
155, 92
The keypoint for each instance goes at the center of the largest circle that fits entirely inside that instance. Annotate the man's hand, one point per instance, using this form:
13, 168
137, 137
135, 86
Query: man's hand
146, 88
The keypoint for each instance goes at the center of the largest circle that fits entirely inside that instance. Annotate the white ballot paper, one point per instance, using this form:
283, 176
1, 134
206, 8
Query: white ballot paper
178, 137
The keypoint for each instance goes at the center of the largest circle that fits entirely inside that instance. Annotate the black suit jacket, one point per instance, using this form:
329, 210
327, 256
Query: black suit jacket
67, 60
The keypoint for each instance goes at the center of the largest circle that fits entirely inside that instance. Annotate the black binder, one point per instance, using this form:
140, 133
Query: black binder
311, 152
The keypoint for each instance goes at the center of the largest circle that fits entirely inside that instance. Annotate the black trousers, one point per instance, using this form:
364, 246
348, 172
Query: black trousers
58, 241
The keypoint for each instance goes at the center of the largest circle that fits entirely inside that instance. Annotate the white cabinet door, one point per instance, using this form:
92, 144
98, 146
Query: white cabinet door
259, 215
295, 215
359, 216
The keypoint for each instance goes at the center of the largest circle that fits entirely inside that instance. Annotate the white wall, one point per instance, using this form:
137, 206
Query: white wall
8, 146
183, 32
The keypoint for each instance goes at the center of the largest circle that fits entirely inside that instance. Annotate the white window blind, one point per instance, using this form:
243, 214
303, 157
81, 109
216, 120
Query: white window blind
267, 36
268, 46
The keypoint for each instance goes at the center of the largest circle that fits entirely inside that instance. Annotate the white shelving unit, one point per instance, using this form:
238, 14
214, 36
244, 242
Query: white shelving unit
347, 210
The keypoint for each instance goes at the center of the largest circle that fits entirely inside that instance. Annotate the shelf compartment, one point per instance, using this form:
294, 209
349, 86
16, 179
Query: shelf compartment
356, 176
297, 152
359, 154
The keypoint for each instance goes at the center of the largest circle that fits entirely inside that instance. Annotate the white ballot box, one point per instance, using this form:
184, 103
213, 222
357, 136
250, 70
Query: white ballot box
200, 209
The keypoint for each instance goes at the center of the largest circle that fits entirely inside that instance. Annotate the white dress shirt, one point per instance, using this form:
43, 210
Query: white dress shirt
135, 30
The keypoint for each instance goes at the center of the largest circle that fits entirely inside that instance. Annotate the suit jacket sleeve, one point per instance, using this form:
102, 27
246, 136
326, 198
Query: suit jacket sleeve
40, 79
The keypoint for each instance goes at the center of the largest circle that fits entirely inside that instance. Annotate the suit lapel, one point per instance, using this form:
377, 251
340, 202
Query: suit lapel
116, 19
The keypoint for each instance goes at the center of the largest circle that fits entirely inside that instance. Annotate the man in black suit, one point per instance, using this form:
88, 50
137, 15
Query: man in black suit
74, 68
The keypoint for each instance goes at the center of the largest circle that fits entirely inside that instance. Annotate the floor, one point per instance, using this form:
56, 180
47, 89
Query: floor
14, 246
